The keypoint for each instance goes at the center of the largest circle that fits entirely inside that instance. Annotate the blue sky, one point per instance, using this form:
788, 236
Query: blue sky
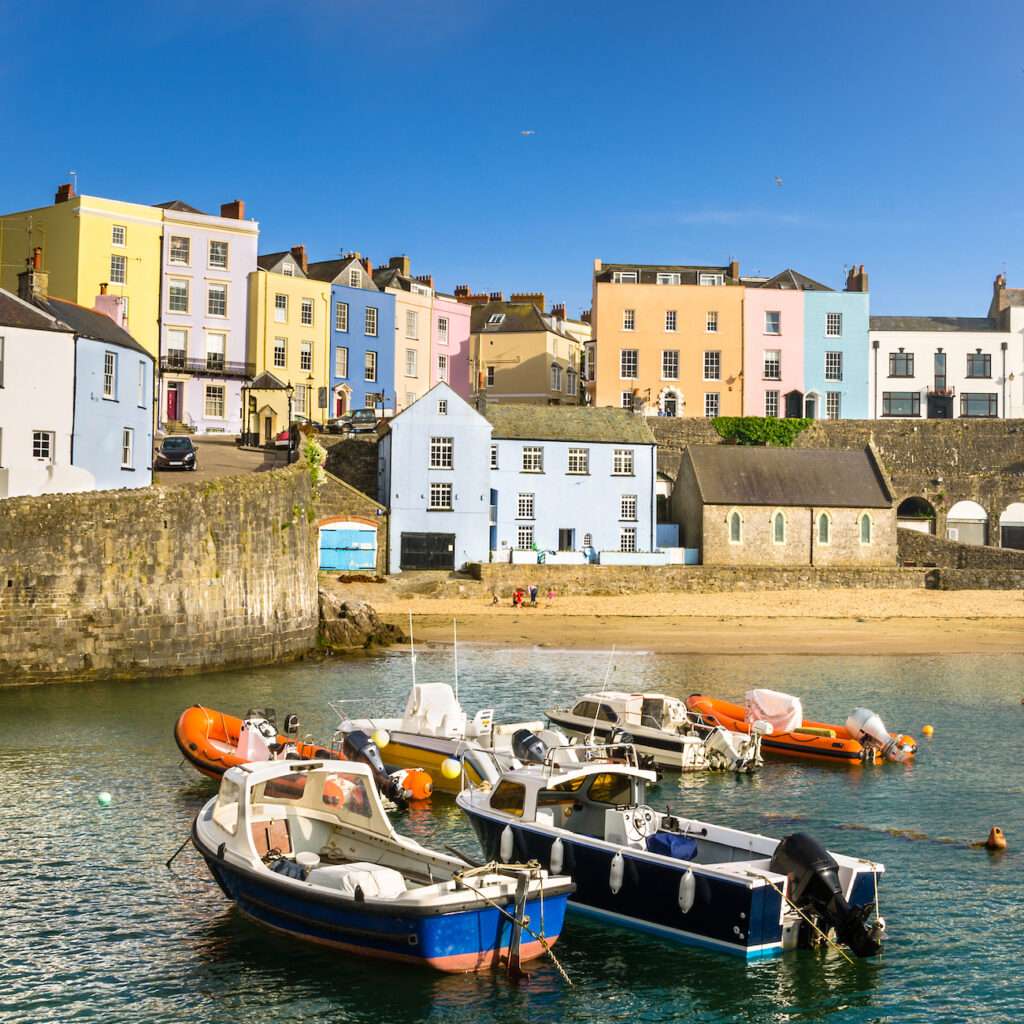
660, 129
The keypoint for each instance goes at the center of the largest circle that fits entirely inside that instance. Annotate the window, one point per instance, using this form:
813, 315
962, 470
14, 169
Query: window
442, 367
979, 364
525, 506
588, 540
629, 363
979, 405
306, 313
215, 346
442, 330
833, 405
779, 528
142, 383
412, 324
667, 278
627, 538
712, 404
494, 456
824, 528
940, 371
280, 308
341, 362
42, 445
833, 365
712, 365
588, 363
127, 448
299, 398
670, 364
124, 312
901, 403
214, 404
442, 407
627, 507
440, 498
179, 250
355, 278
341, 317
441, 451
711, 279
177, 347
118, 235
496, 318
772, 322
771, 403
901, 364
288, 269
735, 528
571, 382
370, 401
109, 375
490, 376
217, 257
509, 798
118, 265
865, 529
370, 322
627, 399
566, 540
280, 352
833, 325
624, 277
670, 319
411, 362
306, 355
622, 462
629, 319
217, 300
579, 460
524, 537
556, 378
773, 364
370, 366
711, 322
533, 460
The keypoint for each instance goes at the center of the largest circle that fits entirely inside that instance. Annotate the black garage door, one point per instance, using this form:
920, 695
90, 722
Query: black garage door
428, 551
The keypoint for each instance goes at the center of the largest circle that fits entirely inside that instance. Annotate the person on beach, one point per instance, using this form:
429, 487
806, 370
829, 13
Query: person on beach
533, 595
517, 598
551, 596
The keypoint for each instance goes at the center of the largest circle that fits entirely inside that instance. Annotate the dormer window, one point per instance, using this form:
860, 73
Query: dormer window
355, 278
664, 278
288, 269
624, 277
495, 318
711, 279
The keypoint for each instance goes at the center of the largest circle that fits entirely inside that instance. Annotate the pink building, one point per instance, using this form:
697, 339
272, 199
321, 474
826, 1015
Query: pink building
449, 344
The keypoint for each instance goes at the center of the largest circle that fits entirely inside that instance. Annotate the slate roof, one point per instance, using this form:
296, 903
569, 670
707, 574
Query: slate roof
266, 381
519, 317
88, 323
567, 423
932, 323
822, 477
793, 280
328, 270
270, 260
16, 313
179, 206
647, 273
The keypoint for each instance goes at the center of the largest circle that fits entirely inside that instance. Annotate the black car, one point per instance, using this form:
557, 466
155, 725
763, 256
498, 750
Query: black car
176, 452
362, 421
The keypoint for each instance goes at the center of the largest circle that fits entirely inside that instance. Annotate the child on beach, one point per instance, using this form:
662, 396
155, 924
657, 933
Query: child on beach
551, 596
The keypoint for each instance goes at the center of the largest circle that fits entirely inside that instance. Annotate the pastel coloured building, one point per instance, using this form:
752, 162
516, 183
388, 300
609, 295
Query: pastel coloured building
449, 362
413, 328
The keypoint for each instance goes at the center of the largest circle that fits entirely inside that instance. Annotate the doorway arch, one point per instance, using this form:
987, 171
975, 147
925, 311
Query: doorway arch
1011, 526
967, 522
670, 402
916, 514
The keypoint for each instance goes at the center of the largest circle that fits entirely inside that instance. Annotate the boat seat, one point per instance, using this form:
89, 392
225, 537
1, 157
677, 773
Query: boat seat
271, 835
375, 881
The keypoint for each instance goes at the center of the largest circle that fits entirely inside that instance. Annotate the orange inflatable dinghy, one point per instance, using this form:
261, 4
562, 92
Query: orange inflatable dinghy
817, 740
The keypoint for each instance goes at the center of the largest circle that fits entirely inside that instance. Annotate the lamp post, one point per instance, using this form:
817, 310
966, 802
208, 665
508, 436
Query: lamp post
289, 391
310, 381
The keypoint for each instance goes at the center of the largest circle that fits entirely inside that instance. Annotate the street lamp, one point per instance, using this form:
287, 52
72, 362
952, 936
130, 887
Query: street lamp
310, 381
289, 391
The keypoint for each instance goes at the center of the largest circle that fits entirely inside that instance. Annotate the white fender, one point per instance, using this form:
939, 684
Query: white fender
615, 874
555, 862
507, 844
687, 891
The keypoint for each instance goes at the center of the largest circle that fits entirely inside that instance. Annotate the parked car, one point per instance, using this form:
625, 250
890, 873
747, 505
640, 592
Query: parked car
176, 452
305, 421
362, 421
337, 424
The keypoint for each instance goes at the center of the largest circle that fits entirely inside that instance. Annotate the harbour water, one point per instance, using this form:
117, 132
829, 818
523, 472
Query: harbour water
96, 928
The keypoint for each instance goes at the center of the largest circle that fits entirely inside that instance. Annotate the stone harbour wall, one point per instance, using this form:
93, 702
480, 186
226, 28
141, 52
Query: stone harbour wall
353, 459
128, 584
923, 549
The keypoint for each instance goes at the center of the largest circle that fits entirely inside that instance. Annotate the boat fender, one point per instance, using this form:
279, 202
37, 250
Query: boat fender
687, 891
359, 895
615, 873
557, 855
507, 844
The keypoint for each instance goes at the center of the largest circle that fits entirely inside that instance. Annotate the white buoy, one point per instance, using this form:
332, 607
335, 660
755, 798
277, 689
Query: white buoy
557, 853
103, 799
507, 844
615, 874
687, 891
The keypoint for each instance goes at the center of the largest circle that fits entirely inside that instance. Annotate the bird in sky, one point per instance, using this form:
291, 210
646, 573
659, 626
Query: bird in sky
778, 181
527, 131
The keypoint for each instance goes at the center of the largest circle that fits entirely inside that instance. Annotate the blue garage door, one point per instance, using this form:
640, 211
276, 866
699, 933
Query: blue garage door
348, 546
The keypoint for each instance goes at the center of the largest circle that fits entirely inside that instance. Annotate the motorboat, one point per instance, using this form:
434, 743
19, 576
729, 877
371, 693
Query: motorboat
662, 730
212, 742
581, 810
306, 849
863, 739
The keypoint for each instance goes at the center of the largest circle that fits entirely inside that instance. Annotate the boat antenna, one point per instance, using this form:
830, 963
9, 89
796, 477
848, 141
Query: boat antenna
412, 649
604, 686
455, 650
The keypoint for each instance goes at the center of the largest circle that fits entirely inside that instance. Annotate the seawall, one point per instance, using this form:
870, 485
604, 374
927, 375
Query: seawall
126, 584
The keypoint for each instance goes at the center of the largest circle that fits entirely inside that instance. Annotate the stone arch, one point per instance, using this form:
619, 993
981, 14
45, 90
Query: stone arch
916, 513
1011, 526
967, 522
671, 402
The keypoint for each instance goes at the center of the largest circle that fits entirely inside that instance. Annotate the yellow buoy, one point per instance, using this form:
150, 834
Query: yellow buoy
927, 730
381, 737
451, 768
996, 840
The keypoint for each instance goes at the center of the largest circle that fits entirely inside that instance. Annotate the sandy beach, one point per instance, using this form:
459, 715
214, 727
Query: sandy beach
769, 622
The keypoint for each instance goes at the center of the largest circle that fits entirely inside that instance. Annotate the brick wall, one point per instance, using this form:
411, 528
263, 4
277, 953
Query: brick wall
128, 584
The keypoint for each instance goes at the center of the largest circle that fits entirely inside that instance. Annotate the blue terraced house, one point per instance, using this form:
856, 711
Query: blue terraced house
362, 337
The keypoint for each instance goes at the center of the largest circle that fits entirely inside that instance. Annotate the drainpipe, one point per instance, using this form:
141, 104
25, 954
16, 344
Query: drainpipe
1003, 346
810, 512
874, 396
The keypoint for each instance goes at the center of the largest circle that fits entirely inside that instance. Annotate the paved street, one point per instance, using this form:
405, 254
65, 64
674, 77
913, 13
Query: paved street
219, 456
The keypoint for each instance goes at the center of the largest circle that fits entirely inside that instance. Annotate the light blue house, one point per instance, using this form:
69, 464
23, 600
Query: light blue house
112, 434
434, 475
836, 349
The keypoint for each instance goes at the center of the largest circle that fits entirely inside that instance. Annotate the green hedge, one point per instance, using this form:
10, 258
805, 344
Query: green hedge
762, 430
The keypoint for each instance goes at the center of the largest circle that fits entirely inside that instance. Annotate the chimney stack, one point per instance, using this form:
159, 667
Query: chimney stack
103, 287
64, 193
33, 281
427, 279
585, 316
235, 210
400, 263
496, 297
299, 255
558, 310
856, 279
461, 291
369, 267
537, 298
734, 269
110, 305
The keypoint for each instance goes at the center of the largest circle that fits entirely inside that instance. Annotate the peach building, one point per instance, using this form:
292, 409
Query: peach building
668, 339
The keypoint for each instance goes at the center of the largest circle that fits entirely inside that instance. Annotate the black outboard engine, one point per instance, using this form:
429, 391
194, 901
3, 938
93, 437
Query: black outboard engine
814, 888
357, 746
291, 725
528, 747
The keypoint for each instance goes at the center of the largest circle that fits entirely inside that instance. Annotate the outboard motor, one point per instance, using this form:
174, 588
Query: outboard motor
357, 746
268, 713
528, 747
814, 888
291, 725
864, 725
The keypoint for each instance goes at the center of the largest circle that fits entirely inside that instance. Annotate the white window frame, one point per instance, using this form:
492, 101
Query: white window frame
571, 383
341, 361
280, 352
626, 400
218, 393
494, 456
833, 325
217, 264
355, 277
533, 459
441, 494
671, 321
711, 321
280, 308
834, 366
623, 462
142, 381
127, 448
119, 235
629, 356
711, 280
442, 453
495, 318
556, 377
179, 251
213, 288
222, 351
771, 398
524, 537
579, 461
772, 364
712, 404
120, 275
712, 364
628, 539
43, 439
526, 505
110, 376
341, 317
306, 355
628, 508
629, 319
833, 405
624, 277
442, 366
288, 268
773, 326
306, 313
412, 362
412, 324
667, 277
371, 321
670, 364
442, 407
370, 366
442, 330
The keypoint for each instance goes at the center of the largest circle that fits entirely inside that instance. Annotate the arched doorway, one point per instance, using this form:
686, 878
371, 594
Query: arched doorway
348, 544
967, 522
342, 400
1011, 526
916, 514
812, 405
670, 402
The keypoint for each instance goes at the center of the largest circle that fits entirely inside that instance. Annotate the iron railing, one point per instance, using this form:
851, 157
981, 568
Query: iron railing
208, 367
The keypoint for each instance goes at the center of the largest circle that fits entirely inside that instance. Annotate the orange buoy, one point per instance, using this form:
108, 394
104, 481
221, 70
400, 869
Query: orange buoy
927, 730
996, 840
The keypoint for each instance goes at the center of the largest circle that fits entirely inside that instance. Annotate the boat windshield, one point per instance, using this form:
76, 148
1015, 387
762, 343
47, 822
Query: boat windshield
225, 810
561, 793
344, 795
611, 788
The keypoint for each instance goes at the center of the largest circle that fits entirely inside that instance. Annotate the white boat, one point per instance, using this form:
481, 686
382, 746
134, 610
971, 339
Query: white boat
661, 729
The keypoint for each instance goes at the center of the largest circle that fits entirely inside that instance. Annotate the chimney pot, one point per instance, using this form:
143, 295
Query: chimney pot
299, 255
235, 210
64, 193
369, 266
103, 287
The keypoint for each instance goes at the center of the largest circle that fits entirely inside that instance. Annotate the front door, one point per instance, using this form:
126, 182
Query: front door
173, 400
268, 429
670, 406
811, 407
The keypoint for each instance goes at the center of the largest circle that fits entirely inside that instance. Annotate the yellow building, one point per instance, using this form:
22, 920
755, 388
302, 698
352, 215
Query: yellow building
87, 241
668, 340
288, 338
414, 298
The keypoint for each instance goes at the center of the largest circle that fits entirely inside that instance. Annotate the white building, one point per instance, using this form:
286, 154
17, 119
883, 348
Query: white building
938, 367
37, 386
